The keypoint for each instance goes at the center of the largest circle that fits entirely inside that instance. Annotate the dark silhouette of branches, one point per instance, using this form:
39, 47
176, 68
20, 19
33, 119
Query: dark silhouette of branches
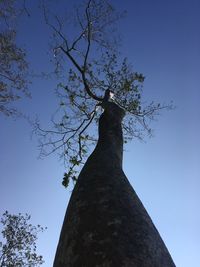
18, 242
13, 64
91, 71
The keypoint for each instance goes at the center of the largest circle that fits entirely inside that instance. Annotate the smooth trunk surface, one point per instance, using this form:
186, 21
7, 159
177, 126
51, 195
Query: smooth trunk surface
106, 224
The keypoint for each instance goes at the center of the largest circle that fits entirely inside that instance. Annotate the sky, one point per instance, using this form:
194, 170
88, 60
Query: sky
162, 40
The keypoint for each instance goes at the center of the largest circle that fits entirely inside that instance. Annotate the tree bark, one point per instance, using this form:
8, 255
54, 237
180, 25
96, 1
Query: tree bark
106, 224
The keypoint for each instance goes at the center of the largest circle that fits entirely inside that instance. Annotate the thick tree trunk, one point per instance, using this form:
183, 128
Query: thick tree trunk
106, 224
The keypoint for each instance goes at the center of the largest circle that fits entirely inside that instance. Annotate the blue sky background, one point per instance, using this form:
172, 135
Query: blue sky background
162, 40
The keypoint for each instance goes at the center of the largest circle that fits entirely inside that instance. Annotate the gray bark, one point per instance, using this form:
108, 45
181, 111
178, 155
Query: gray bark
106, 224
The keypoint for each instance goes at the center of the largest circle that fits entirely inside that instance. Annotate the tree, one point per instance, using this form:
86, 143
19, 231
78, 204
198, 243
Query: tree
18, 245
91, 72
105, 222
13, 63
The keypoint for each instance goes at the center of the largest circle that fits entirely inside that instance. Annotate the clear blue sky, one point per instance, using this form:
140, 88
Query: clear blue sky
162, 40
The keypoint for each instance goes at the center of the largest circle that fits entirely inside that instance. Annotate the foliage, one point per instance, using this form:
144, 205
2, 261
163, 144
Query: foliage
91, 71
18, 247
13, 64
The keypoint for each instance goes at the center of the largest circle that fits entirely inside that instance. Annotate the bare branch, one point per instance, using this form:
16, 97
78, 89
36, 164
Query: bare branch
96, 71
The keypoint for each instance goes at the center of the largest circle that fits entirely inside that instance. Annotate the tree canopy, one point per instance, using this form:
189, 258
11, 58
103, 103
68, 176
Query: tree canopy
90, 71
13, 63
18, 242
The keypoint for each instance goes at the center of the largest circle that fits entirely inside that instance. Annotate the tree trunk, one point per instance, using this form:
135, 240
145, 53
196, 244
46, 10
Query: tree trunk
106, 224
